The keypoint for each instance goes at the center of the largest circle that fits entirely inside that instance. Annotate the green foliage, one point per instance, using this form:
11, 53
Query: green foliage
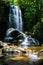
38, 31
32, 12
33, 17
13, 2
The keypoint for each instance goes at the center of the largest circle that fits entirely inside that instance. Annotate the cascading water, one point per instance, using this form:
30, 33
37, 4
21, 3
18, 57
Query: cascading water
15, 18
27, 40
15, 23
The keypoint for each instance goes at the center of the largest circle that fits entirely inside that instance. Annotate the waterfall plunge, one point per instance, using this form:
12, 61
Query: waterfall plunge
15, 18
15, 23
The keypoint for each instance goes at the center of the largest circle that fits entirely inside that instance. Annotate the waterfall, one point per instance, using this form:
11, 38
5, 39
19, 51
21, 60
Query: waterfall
15, 18
16, 24
26, 40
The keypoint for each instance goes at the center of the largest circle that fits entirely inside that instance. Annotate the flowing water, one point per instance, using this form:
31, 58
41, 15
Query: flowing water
16, 24
15, 18
27, 40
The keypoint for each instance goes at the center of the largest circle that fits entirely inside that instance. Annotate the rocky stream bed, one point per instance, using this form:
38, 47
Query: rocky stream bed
16, 55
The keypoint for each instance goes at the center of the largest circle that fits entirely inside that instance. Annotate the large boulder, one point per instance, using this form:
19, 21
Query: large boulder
14, 36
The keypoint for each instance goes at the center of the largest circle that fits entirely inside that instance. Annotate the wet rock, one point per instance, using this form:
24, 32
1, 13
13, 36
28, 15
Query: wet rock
14, 36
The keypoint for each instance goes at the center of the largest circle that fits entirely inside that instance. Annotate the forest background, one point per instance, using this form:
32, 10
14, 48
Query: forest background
32, 14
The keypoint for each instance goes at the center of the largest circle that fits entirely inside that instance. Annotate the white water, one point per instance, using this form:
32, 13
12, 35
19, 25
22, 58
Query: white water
15, 18
33, 57
15, 23
28, 40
